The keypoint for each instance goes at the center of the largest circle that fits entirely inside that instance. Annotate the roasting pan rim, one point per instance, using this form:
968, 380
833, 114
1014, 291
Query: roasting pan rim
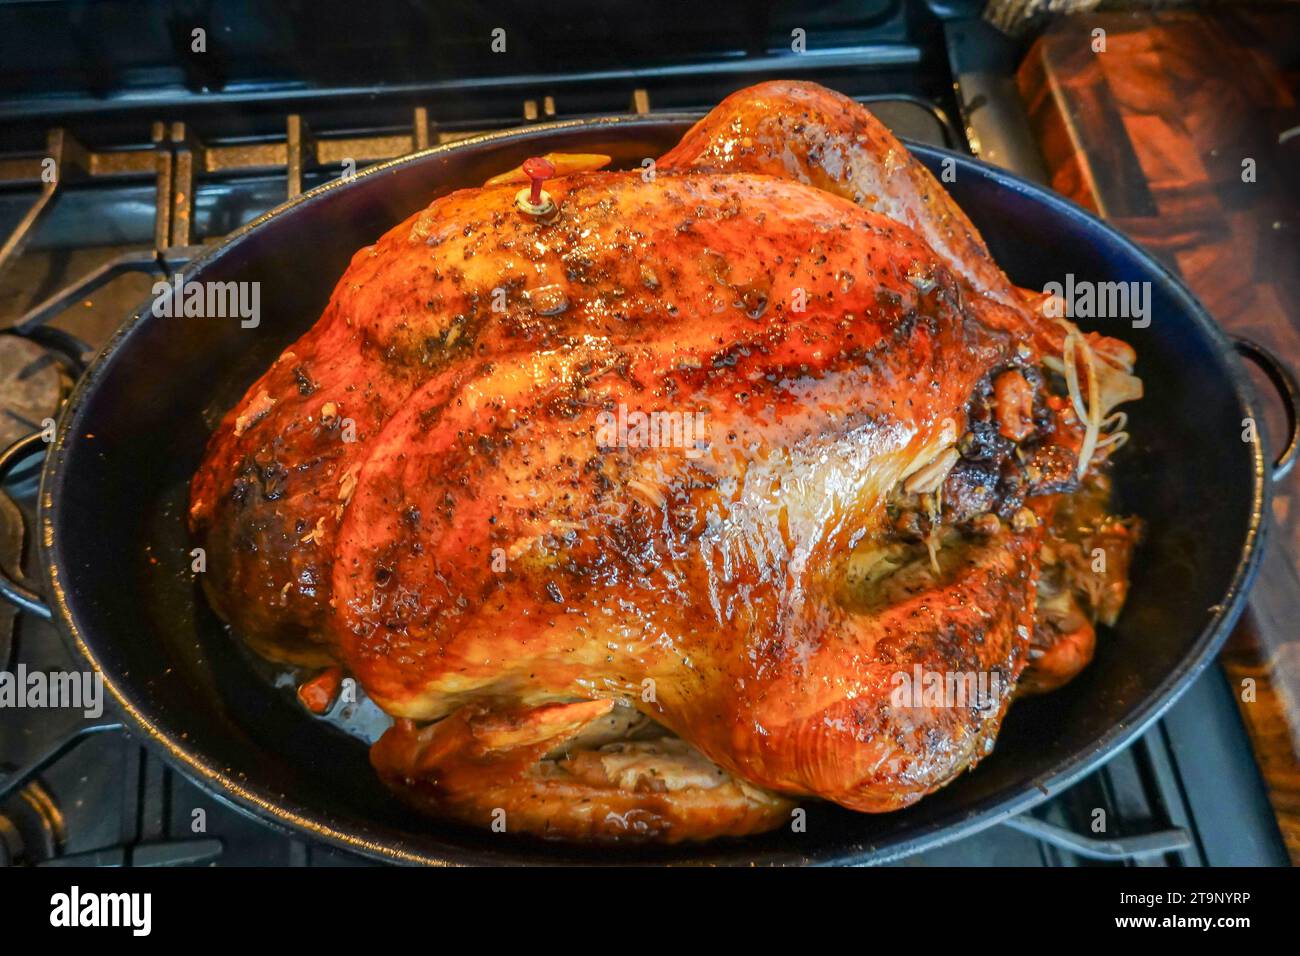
287, 814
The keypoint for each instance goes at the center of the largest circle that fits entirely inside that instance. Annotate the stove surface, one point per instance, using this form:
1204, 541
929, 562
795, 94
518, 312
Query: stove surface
78, 791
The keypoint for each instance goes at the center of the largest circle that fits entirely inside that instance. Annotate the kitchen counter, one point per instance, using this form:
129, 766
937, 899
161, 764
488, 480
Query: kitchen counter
1184, 131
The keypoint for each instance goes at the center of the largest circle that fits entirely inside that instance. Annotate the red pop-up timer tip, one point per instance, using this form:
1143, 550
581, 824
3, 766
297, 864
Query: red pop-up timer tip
538, 169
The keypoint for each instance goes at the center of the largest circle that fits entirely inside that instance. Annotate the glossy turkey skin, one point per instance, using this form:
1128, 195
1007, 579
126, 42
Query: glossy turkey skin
809, 134
422, 486
485, 765
632, 563
265, 503
717, 575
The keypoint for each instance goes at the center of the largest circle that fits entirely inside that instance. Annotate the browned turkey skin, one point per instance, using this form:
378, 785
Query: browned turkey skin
675, 634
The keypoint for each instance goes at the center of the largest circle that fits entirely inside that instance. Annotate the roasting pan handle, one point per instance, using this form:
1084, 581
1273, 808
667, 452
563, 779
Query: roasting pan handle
13, 592
1287, 389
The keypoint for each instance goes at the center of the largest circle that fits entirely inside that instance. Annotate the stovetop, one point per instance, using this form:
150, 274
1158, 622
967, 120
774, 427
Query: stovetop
158, 174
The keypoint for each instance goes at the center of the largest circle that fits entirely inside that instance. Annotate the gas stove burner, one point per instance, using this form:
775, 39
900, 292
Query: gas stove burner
34, 380
31, 827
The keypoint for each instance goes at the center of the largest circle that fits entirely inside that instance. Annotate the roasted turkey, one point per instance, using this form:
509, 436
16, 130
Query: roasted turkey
638, 512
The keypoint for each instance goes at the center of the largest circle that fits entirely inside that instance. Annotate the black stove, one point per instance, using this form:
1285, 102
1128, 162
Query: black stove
162, 147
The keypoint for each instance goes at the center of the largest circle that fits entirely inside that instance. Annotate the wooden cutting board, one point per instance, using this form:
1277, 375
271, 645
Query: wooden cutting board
1182, 129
